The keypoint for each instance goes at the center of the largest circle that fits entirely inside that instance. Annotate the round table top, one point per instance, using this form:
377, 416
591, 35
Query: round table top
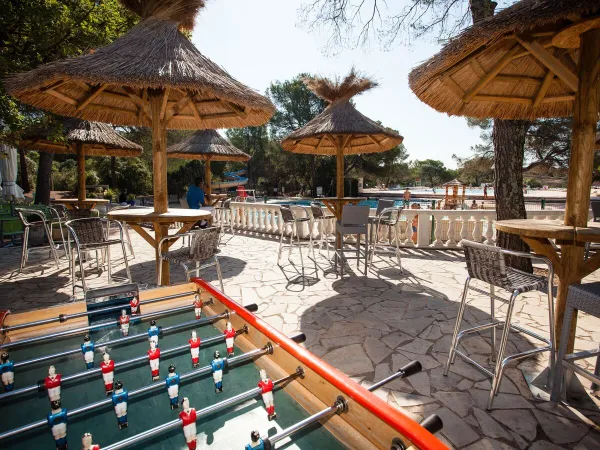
76, 200
550, 229
148, 215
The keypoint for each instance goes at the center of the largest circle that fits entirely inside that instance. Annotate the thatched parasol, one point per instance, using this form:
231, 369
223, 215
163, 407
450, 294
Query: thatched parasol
536, 58
82, 138
207, 145
152, 76
340, 129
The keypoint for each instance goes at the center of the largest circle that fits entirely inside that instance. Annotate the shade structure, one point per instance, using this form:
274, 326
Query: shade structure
536, 58
340, 129
8, 173
82, 138
207, 145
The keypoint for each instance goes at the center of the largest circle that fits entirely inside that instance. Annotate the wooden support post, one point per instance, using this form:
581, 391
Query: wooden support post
207, 176
80, 171
159, 151
340, 167
585, 117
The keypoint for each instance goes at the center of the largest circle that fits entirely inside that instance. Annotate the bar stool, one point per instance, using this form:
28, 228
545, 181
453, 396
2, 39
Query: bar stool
125, 229
25, 215
487, 263
389, 217
584, 298
289, 218
355, 221
321, 218
226, 216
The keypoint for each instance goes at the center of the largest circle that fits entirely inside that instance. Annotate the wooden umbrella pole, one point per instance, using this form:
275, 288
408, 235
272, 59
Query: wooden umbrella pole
207, 176
80, 171
585, 117
159, 150
340, 168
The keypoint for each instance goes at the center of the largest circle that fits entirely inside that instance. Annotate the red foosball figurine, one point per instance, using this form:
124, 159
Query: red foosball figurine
87, 440
195, 350
124, 322
154, 358
134, 304
52, 384
108, 373
198, 304
266, 386
229, 336
188, 422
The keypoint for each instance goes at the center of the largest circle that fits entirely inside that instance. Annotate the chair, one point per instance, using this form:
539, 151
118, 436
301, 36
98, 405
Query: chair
203, 248
355, 220
91, 234
225, 214
320, 217
26, 214
184, 203
584, 298
389, 217
289, 218
117, 208
595, 204
487, 263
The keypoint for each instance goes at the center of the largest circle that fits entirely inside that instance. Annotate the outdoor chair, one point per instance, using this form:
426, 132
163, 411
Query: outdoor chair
389, 217
583, 298
290, 218
355, 221
224, 211
595, 204
125, 228
321, 218
487, 263
35, 219
91, 234
201, 253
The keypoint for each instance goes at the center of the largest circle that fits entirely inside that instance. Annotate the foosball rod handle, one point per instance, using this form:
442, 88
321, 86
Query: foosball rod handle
411, 368
433, 424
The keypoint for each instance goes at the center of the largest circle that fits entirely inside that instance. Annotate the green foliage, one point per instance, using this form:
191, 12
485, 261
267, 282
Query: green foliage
432, 172
533, 183
110, 195
475, 170
133, 174
64, 175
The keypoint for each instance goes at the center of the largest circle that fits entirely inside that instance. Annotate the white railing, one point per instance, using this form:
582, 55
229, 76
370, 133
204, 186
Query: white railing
419, 228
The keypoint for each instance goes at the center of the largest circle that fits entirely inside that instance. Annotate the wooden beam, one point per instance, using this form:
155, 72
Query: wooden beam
375, 141
476, 67
143, 233
54, 85
546, 43
145, 101
495, 70
93, 93
502, 98
319, 143
165, 102
112, 108
550, 61
452, 85
559, 98
236, 108
518, 79
117, 95
541, 93
61, 96
194, 107
178, 106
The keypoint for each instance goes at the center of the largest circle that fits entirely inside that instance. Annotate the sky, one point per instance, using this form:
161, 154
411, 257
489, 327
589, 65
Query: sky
262, 41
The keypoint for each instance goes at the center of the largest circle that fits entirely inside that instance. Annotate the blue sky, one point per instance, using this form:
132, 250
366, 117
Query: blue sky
260, 41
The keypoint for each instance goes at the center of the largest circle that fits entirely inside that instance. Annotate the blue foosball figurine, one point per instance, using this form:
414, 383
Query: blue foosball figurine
7, 370
172, 382
256, 442
218, 365
87, 348
153, 332
57, 420
119, 401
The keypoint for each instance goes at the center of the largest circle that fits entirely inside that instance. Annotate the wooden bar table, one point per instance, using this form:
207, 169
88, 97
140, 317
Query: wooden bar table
160, 222
74, 203
213, 199
538, 234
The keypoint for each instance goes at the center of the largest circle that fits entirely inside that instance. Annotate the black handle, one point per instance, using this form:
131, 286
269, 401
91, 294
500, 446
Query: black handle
411, 368
252, 307
433, 423
298, 338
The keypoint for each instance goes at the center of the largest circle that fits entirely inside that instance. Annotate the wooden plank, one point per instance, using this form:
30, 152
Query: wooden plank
541, 93
194, 107
559, 98
476, 67
54, 85
164, 104
321, 139
543, 247
375, 141
452, 85
143, 233
518, 79
590, 265
502, 98
61, 96
141, 103
177, 107
184, 229
95, 92
236, 108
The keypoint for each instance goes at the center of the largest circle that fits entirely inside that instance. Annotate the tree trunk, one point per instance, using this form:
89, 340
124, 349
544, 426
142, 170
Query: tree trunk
509, 144
24, 177
113, 172
42, 189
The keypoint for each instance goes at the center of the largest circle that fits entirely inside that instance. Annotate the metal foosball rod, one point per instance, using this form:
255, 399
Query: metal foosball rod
431, 423
136, 337
128, 362
176, 423
267, 349
64, 317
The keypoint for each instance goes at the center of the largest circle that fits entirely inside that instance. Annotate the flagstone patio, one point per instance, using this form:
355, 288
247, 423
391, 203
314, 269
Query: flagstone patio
370, 326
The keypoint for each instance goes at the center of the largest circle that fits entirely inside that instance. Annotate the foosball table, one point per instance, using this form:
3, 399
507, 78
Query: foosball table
182, 366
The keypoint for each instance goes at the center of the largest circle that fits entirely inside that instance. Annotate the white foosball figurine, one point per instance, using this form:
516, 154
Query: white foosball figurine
266, 386
86, 442
57, 420
124, 322
188, 422
52, 384
195, 349
229, 336
87, 348
198, 304
154, 358
134, 304
108, 373
153, 332
217, 365
7, 371
119, 401
172, 382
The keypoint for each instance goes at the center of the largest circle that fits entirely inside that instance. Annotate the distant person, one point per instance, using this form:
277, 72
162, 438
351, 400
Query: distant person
195, 194
123, 196
485, 191
474, 205
406, 197
415, 221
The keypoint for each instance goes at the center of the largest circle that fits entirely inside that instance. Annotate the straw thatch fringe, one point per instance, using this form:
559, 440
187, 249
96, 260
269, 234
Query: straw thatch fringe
206, 144
332, 90
179, 11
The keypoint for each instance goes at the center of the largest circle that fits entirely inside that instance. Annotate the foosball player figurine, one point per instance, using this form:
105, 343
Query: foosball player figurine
87, 348
119, 401
153, 332
124, 322
195, 349
229, 336
198, 304
57, 420
172, 382
256, 443
7, 370
218, 365
188, 422
134, 304
52, 384
266, 386
87, 440
154, 358
108, 373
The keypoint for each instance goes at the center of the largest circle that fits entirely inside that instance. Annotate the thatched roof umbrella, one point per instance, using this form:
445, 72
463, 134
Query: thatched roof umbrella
340, 129
152, 76
536, 58
82, 138
207, 145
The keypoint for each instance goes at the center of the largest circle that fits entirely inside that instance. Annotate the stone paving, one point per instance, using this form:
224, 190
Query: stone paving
370, 326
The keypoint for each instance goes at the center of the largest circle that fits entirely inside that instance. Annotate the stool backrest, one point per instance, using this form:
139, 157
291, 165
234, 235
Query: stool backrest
227, 203
316, 210
88, 230
355, 215
390, 216
29, 216
73, 214
486, 263
203, 244
384, 204
596, 210
286, 213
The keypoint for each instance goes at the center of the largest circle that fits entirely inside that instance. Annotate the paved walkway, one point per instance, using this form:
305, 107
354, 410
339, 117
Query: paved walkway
370, 326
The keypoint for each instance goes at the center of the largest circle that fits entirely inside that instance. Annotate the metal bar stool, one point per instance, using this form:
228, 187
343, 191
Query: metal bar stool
116, 208
321, 218
487, 263
202, 252
226, 215
355, 221
290, 218
389, 217
585, 298
25, 214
